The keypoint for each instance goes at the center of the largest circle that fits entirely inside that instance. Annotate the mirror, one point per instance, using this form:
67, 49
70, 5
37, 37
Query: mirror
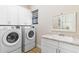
65, 22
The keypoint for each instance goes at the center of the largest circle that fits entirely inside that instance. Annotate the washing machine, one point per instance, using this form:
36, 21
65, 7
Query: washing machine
10, 39
28, 38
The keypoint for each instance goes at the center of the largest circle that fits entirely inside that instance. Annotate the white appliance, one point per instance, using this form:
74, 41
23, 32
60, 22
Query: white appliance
10, 39
28, 38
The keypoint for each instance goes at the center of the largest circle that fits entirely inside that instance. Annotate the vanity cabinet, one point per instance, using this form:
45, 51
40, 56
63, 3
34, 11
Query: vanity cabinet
54, 46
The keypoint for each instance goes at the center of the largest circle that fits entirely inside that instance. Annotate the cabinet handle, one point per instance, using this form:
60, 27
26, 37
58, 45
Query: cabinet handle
56, 50
59, 50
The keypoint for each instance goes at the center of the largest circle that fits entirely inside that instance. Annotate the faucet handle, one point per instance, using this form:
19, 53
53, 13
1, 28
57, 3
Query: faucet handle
61, 34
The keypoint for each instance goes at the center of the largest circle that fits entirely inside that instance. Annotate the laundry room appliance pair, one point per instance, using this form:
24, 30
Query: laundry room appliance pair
16, 39
10, 39
28, 34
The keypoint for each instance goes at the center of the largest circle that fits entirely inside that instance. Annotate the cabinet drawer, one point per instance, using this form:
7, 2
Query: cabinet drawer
68, 46
49, 41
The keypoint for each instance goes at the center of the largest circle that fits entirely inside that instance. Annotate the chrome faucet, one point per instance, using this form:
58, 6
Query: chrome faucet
61, 34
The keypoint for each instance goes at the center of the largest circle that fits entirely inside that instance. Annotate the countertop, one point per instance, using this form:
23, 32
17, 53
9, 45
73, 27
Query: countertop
65, 39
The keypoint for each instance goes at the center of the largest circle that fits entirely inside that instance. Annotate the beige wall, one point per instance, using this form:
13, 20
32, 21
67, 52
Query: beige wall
46, 12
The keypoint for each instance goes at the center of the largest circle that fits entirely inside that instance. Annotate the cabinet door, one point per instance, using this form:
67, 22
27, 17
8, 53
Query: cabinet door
3, 15
12, 15
68, 48
25, 16
49, 46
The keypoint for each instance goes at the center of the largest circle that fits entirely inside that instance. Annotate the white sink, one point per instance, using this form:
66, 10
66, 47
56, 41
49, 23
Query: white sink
63, 37
60, 37
67, 38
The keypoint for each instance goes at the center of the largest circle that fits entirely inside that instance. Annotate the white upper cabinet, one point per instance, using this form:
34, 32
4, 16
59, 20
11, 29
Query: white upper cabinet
25, 16
3, 15
15, 15
12, 15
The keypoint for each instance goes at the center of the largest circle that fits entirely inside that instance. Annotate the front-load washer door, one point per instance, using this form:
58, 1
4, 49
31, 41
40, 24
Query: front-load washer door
11, 37
30, 34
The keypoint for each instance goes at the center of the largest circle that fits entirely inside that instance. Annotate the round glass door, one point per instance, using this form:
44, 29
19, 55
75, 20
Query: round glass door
12, 37
30, 34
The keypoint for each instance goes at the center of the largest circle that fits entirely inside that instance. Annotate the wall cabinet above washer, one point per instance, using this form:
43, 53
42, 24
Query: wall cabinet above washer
15, 15
3, 15
25, 16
